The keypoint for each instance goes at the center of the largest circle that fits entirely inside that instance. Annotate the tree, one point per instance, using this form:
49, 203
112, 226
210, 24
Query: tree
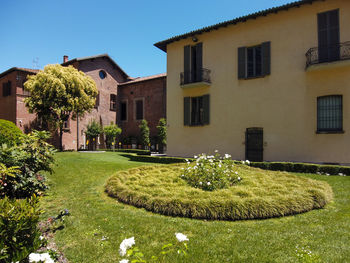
93, 130
144, 130
59, 93
111, 131
162, 134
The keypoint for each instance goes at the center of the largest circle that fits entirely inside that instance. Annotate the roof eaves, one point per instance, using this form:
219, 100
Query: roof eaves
163, 44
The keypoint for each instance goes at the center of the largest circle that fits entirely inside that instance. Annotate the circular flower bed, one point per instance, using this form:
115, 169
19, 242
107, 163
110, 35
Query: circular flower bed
260, 194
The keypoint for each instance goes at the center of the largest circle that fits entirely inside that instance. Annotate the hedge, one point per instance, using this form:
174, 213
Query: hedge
274, 166
9, 133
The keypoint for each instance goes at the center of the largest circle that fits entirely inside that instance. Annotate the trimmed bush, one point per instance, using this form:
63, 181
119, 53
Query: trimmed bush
9, 133
155, 159
18, 228
260, 194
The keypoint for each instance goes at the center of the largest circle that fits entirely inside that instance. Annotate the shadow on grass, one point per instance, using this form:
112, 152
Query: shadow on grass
153, 159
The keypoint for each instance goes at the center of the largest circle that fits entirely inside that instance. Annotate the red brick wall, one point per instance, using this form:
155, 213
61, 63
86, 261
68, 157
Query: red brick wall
153, 93
8, 103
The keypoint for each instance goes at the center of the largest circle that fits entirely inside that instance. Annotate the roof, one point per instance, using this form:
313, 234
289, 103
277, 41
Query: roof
163, 44
28, 70
135, 80
98, 56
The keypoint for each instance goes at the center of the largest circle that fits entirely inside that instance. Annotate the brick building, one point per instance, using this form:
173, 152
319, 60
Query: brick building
110, 80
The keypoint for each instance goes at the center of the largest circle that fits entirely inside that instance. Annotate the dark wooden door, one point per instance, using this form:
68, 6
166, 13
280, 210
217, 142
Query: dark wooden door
254, 144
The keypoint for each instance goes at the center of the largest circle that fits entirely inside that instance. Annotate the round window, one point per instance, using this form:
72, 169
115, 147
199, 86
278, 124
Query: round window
102, 74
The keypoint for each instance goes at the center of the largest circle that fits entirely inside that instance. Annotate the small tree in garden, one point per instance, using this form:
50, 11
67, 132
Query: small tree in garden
162, 133
111, 131
93, 130
59, 93
144, 130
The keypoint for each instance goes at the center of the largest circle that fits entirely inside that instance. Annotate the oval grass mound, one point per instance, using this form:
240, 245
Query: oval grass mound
260, 194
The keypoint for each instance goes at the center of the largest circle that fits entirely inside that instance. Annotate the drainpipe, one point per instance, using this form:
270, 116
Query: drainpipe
77, 131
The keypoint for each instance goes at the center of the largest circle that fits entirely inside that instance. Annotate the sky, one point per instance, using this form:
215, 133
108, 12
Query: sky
35, 33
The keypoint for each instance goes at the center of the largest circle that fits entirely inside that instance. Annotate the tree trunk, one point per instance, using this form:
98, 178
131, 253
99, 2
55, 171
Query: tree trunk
61, 137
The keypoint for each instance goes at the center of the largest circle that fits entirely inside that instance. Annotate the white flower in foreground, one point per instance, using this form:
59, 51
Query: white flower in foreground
216, 151
124, 261
239, 178
236, 172
200, 183
181, 237
195, 156
125, 245
34, 257
227, 156
208, 183
247, 162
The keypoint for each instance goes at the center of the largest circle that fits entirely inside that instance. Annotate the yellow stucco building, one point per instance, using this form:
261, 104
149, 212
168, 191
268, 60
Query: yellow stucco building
272, 86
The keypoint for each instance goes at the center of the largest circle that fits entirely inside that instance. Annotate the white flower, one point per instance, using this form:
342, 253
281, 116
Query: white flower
181, 237
125, 245
219, 165
208, 183
236, 172
195, 156
200, 183
41, 237
239, 178
247, 162
34, 257
227, 156
124, 261
216, 151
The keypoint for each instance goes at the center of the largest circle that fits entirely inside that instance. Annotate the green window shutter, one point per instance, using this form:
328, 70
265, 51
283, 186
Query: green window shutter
206, 109
187, 111
187, 63
199, 61
266, 58
242, 61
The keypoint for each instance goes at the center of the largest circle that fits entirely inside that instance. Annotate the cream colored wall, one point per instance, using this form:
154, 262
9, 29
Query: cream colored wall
284, 103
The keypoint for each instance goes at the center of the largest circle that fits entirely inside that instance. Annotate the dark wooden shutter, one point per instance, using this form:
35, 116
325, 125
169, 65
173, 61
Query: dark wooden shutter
206, 109
199, 61
328, 35
266, 58
242, 61
187, 111
187, 64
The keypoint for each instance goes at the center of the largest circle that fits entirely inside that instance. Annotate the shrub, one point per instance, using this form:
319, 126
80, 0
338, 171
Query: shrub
162, 133
9, 133
211, 172
18, 228
30, 157
144, 130
111, 132
329, 169
92, 131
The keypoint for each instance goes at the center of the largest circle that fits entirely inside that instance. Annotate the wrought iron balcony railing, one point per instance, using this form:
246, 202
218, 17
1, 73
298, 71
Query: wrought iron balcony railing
329, 53
200, 75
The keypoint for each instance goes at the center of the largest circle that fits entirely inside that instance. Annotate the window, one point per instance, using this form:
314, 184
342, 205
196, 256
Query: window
254, 61
113, 102
139, 109
6, 89
330, 113
97, 102
193, 63
102, 74
123, 111
196, 110
66, 125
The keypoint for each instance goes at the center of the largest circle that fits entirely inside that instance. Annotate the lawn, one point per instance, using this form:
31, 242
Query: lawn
78, 185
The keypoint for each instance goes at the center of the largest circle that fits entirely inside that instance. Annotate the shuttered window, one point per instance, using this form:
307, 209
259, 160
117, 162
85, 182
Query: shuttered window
330, 113
6, 89
254, 61
196, 110
123, 111
193, 63
113, 102
97, 102
139, 109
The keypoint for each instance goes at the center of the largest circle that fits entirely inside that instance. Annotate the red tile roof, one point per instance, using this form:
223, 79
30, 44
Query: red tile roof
19, 69
162, 75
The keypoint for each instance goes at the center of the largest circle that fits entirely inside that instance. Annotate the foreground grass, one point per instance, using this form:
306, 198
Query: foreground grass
78, 185
260, 194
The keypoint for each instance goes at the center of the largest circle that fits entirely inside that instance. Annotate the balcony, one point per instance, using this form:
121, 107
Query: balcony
189, 79
328, 56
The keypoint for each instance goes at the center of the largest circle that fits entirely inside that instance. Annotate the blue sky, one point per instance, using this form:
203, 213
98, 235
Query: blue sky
39, 32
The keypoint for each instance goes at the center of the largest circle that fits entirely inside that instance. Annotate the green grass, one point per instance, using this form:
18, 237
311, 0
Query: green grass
78, 185
261, 194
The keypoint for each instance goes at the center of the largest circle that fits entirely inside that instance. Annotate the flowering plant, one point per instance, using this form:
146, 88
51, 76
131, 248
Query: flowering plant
211, 172
134, 255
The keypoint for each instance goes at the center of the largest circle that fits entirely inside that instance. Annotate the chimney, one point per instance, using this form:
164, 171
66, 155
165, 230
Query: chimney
65, 58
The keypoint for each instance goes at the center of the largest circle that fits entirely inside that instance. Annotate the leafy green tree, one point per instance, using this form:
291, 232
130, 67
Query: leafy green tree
59, 93
144, 130
162, 133
93, 130
111, 131
9, 133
